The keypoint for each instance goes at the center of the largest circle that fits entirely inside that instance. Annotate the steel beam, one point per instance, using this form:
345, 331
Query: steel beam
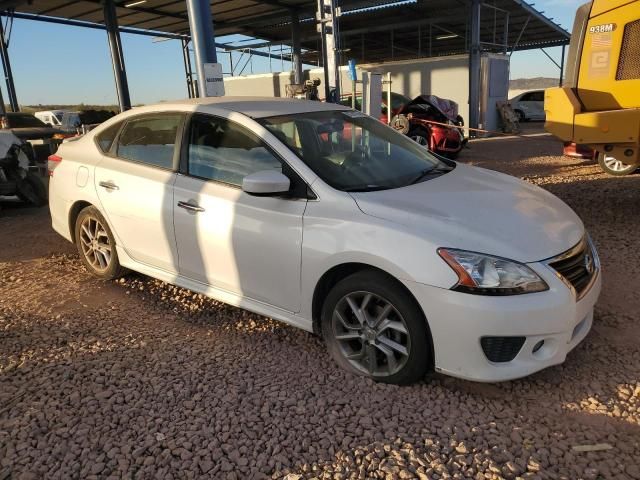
296, 52
117, 57
8, 75
561, 66
204, 47
188, 71
474, 65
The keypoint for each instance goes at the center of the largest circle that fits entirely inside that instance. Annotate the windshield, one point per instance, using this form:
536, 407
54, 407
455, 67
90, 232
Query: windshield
354, 152
58, 115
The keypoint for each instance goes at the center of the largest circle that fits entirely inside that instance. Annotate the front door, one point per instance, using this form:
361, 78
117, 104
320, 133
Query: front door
134, 182
246, 245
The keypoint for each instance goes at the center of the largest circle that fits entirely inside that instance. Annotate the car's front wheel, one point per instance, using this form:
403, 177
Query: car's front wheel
373, 327
96, 245
613, 166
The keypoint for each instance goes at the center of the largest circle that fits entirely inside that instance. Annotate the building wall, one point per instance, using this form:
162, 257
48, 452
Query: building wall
446, 77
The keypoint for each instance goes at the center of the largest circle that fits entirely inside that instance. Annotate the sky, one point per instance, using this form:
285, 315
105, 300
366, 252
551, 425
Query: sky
57, 64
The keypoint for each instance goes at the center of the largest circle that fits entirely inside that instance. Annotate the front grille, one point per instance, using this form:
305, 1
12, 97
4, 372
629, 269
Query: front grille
577, 266
629, 62
501, 349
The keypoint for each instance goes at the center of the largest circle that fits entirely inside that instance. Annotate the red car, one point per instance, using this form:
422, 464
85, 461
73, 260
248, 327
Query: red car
414, 117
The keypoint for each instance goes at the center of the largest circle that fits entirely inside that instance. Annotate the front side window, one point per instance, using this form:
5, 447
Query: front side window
150, 139
355, 152
224, 151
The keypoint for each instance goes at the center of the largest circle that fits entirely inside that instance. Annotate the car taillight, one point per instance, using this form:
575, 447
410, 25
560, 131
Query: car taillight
52, 162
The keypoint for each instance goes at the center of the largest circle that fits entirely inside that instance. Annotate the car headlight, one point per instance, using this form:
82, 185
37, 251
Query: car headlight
487, 275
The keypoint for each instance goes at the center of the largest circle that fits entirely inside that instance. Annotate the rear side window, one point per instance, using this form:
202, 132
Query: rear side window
150, 140
106, 137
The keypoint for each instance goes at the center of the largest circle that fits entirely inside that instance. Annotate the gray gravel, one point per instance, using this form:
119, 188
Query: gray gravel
137, 378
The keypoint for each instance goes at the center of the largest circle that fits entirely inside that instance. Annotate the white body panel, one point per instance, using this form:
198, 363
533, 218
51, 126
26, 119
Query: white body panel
531, 104
139, 210
267, 254
245, 245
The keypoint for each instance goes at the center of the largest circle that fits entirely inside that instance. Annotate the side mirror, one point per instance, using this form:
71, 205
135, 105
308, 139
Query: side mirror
266, 183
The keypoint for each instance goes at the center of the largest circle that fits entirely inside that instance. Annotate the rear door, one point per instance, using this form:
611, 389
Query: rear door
134, 181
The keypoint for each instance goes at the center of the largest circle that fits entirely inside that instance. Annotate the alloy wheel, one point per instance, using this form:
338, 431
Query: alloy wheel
614, 164
371, 334
95, 243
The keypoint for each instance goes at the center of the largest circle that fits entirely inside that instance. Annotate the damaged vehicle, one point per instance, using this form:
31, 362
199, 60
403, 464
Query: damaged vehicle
16, 179
415, 118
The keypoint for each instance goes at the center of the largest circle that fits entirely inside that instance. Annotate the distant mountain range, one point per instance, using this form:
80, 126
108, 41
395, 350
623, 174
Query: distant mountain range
532, 83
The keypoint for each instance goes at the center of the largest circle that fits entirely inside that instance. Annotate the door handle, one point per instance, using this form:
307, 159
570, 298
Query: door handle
190, 207
109, 185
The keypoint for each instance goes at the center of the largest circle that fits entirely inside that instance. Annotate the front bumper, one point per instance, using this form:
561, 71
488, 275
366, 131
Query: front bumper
458, 321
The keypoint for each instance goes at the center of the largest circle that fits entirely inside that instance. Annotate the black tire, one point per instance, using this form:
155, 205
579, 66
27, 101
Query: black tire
91, 258
520, 115
32, 190
611, 166
408, 367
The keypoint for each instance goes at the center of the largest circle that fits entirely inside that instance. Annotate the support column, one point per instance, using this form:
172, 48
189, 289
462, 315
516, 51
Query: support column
202, 36
117, 57
296, 48
330, 36
474, 66
188, 72
8, 75
562, 66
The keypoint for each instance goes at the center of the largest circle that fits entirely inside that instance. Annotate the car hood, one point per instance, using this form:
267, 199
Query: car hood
475, 209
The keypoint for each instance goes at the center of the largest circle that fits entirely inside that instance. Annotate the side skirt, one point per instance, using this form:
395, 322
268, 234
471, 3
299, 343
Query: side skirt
224, 296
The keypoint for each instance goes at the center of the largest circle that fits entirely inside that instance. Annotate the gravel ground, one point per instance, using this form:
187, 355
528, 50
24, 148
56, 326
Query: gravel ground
137, 378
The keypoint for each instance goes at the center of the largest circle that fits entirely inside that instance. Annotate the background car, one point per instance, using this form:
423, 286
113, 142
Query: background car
77, 123
529, 105
26, 126
50, 117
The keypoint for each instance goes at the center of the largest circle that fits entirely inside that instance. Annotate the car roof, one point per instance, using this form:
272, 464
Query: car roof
255, 107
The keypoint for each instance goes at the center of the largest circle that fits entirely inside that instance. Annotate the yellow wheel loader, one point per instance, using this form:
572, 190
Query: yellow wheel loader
599, 102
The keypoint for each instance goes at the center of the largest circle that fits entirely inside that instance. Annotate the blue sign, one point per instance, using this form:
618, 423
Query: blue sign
353, 75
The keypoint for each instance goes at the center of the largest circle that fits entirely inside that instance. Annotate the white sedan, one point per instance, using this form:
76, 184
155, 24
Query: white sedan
324, 218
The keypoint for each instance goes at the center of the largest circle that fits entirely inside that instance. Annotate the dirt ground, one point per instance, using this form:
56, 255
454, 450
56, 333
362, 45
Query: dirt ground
136, 378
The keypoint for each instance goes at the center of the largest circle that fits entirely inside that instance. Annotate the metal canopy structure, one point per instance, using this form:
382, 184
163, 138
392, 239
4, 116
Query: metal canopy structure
426, 28
370, 30
388, 29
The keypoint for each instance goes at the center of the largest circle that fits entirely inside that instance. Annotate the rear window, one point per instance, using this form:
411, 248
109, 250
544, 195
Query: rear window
106, 137
150, 139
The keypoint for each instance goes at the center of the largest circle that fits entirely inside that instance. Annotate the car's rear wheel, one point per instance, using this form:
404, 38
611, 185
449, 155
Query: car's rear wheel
96, 245
613, 166
373, 327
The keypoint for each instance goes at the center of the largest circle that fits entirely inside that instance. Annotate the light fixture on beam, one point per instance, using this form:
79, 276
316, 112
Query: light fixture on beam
446, 36
133, 4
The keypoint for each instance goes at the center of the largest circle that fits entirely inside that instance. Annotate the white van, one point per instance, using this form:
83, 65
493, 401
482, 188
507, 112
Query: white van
51, 117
